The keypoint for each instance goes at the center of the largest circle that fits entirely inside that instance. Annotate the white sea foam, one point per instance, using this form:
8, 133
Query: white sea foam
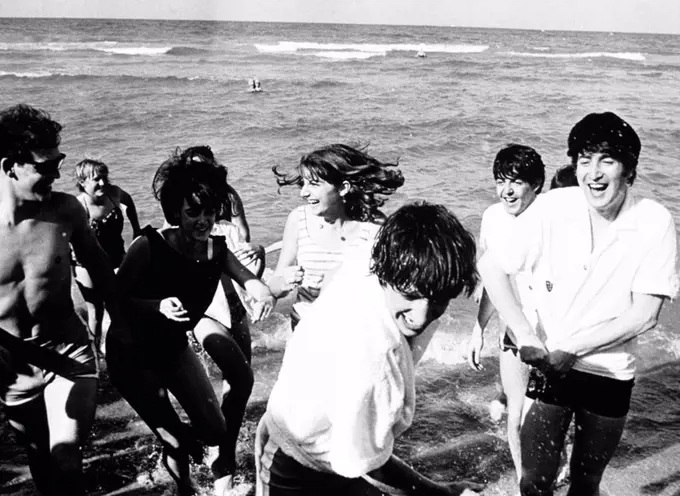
347, 55
30, 75
373, 48
638, 57
100, 46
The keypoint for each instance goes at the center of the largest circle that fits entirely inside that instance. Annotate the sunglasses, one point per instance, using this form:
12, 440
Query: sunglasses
48, 166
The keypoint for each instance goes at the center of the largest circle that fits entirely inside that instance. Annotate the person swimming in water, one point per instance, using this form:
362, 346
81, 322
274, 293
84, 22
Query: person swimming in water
254, 85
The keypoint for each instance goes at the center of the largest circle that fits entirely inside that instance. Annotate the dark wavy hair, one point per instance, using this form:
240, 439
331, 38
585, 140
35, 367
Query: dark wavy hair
24, 129
370, 180
606, 133
423, 250
564, 177
199, 183
520, 162
204, 154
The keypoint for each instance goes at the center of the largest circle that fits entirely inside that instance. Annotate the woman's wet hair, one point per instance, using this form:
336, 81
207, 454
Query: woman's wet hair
88, 168
564, 177
422, 250
520, 162
200, 183
370, 180
609, 134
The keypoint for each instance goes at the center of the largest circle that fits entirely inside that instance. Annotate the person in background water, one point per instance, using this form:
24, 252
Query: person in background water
346, 388
519, 173
344, 189
48, 373
603, 261
102, 201
564, 177
168, 279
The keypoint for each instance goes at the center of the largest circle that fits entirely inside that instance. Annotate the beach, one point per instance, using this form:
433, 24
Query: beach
129, 92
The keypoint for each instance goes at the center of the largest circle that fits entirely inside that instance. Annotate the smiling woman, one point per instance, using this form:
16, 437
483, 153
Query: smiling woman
169, 278
344, 189
102, 201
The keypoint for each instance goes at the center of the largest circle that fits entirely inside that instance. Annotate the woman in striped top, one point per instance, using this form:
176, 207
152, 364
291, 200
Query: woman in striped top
344, 189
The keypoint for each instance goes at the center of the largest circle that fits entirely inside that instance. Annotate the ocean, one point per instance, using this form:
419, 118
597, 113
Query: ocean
129, 92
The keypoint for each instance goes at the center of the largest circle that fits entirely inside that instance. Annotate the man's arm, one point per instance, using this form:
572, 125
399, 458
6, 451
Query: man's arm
639, 318
396, 474
476, 342
499, 286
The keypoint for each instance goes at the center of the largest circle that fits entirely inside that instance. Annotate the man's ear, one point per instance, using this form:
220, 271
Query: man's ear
7, 166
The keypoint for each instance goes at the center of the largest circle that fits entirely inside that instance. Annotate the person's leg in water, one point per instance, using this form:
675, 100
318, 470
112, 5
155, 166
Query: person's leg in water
230, 350
595, 441
93, 303
542, 435
146, 389
514, 378
53, 428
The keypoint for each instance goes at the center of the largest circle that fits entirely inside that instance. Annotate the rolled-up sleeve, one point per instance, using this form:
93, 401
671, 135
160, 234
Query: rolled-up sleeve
658, 273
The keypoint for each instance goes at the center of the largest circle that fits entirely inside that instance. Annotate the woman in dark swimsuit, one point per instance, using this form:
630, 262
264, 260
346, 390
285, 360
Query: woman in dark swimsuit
102, 201
167, 281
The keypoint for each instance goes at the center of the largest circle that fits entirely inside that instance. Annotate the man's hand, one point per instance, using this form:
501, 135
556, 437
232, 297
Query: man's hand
474, 347
532, 351
560, 361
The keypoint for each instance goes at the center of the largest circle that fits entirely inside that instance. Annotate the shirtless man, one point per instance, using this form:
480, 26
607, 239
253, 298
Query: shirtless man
48, 373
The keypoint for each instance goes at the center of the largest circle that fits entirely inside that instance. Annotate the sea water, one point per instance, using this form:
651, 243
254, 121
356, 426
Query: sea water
129, 92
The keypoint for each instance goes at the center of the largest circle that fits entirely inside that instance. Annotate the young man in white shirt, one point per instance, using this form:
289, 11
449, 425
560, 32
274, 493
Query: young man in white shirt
519, 173
346, 388
603, 262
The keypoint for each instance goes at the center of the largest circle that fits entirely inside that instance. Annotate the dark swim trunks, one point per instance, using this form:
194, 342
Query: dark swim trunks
579, 390
22, 381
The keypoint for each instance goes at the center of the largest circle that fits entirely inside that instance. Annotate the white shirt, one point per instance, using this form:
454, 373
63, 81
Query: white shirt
346, 388
580, 287
497, 229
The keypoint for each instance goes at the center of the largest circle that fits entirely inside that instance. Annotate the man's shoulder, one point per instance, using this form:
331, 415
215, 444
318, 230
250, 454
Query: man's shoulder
650, 214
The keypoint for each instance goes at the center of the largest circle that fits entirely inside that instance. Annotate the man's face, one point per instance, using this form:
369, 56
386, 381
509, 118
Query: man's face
604, 181
515, 194
34, 178
413, 313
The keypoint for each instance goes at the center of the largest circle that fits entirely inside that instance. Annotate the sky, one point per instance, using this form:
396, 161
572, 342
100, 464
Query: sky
648, 16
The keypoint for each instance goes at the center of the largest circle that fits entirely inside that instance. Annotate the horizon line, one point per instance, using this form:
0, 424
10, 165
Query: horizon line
581, 30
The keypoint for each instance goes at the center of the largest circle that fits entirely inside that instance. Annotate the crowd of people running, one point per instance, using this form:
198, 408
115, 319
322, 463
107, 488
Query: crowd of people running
575, 274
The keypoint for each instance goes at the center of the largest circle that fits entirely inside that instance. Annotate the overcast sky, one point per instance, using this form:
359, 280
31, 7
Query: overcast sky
650, 16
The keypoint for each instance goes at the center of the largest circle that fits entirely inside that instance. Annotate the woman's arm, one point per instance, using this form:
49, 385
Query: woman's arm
238, 214
131, 212
286, 275
264, 300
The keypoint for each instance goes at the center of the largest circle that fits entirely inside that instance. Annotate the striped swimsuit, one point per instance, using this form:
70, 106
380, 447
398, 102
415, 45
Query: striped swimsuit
319, 261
